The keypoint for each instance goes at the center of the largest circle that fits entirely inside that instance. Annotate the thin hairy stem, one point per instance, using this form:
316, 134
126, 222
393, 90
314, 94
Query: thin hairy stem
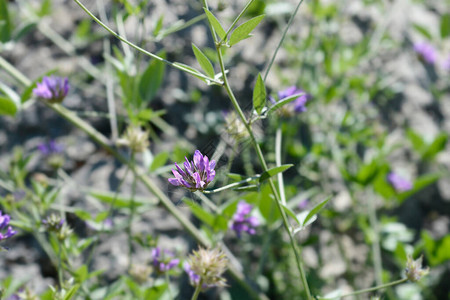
376, 250
238, 18
263, 164
278, 136
198, 288
375, 288
283, 36
124, 40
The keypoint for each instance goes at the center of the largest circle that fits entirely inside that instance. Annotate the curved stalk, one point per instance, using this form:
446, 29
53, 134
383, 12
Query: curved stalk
263, 164
174, 65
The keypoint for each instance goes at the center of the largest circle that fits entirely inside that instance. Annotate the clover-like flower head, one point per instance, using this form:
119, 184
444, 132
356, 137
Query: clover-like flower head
242, 221
197, 174
52, 89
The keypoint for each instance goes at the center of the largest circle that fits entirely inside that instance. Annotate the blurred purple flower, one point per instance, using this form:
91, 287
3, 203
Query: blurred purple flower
399, 183
303, 204
194, 279
446, 63
50, 148
426, 52
197, 174
163, 261
4, 223
242, 221
296, 106
52, 89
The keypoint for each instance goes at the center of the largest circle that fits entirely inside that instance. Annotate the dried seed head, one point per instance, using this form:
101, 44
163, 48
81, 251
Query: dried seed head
209, 265
135, 138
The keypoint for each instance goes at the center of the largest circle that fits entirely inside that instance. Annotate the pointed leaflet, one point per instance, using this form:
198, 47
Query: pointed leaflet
284, 101
243, 31
316, 210
215, 24
203, 61
271, 172
259, 95
7, 106
151, 79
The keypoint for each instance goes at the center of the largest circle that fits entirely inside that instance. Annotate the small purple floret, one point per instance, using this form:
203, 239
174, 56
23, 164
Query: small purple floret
197, 174
399, 183
242, 221
426, 52
163, 261
4, 223
50, 148
296, 106
52, 89
194, 279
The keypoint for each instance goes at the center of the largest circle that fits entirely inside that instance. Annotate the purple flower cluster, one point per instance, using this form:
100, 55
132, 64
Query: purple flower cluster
242, 221
197, 174
399, 183
50, 148
194, 279
163, 261
426, 52
4, 223
53, 89
296, 106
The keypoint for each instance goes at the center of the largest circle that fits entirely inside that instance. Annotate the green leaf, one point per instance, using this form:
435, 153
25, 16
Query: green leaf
422, 30
5, 22
7, 106
416, 140
151, 79
71, 292
203, 61
118, 200
158, 26
435, 147
215, 24
445, 26
159, 160
156, 291
284, 101
271, 172
259, 95
200, 212
243, 31
291, 214
367, 173
316, 210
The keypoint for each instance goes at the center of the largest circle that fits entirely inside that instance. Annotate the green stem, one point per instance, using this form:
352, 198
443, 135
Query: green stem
376, 250
131, 216
265, 169
198, 288
283, 36
174, 65
238, 18
375, 288
231, 185
60, 271
278, 136
169, 289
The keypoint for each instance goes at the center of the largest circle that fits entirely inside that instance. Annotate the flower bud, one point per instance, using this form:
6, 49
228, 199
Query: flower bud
414, 269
